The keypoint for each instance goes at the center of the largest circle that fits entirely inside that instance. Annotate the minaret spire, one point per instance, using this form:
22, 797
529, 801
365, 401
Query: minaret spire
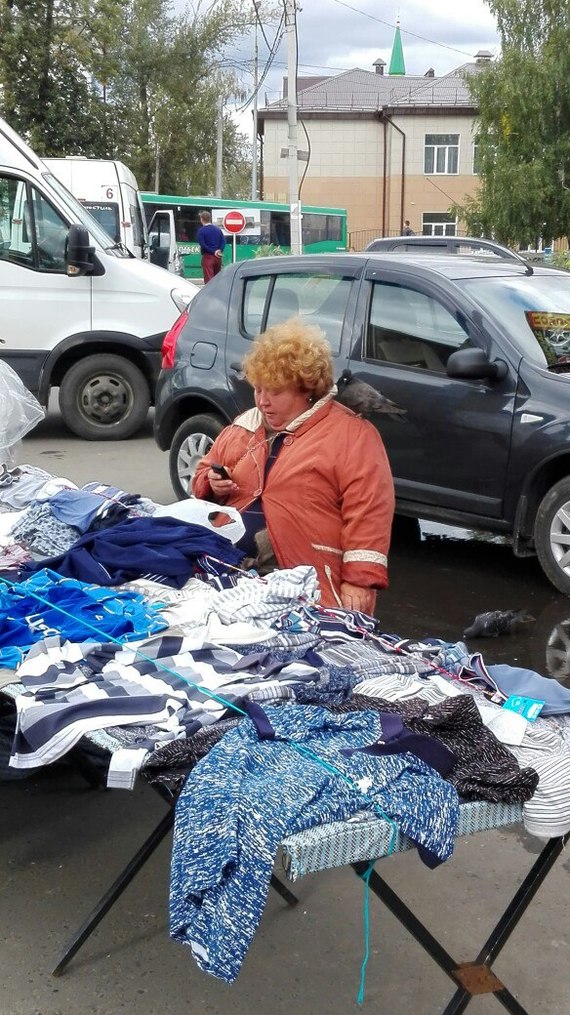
397, 65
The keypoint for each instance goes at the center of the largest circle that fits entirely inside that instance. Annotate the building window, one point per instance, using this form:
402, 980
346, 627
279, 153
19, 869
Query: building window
438, 223
476, 166
441, 153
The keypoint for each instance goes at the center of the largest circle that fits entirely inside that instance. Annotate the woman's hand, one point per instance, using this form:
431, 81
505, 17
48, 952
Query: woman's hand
221, 488
353, 597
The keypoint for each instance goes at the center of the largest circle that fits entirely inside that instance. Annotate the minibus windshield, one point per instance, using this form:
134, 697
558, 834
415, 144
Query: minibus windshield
80, 214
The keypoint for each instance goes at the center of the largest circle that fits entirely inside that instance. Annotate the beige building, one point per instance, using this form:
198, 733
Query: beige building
387, 147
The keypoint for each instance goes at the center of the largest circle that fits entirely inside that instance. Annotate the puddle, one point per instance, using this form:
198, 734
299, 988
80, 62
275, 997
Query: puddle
442, 577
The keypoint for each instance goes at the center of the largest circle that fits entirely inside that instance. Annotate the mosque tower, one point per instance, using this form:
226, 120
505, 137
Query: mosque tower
397, 65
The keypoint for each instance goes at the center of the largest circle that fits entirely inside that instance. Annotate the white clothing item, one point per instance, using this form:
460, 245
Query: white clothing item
54, 485
8, 519
263, 600
509, 727
547, 813
199, 512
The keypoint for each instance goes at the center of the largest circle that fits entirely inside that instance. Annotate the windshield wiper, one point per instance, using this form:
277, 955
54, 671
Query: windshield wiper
119, 245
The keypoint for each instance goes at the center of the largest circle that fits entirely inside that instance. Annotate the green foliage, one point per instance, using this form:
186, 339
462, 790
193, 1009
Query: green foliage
126, 79
561, 259
523, 127
267, 250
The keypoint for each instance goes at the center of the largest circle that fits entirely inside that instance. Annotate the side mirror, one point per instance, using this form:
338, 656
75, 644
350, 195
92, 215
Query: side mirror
79, 253
475, 365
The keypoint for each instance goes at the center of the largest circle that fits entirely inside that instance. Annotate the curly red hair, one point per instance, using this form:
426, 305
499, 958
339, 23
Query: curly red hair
291, 354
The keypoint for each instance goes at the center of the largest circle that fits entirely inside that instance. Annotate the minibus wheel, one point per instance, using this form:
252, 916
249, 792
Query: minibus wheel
104, 398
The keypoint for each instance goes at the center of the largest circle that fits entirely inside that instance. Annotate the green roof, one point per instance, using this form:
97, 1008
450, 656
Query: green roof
397, 65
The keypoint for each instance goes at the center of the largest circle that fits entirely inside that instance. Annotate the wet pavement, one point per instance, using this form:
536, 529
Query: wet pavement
442, 578
61, 844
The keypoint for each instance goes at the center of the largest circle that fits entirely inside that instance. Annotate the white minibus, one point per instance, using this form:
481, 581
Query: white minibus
78, 311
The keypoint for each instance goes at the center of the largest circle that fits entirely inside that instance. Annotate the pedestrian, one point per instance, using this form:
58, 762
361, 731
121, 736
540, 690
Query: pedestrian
311, 478
212, 242
407, 230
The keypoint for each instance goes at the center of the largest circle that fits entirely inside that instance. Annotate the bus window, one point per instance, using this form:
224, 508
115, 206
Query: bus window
334, 228
280, 228
314, 228
107, 215
187, 224
321, 228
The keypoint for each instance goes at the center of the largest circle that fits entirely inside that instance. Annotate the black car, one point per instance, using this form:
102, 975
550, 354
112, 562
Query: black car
477, 353
469, 246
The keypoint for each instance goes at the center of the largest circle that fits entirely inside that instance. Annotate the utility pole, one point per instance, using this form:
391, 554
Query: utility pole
219, 146
255, 87
294, 204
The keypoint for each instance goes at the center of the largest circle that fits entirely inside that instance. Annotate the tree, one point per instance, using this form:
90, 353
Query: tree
171, 77
50, 58
523, 127
126, 79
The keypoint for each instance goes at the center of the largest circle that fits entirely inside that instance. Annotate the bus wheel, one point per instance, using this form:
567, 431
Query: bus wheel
104, 398
190, 443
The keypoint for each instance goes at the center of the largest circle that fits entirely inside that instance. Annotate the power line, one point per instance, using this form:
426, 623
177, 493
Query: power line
260, 23
272, 53
404, 31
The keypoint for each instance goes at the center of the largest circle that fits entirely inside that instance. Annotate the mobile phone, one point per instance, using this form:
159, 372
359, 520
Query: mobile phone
222, 472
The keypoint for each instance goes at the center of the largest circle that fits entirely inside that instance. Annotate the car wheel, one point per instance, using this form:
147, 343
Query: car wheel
552, 535
104, 398
191, 442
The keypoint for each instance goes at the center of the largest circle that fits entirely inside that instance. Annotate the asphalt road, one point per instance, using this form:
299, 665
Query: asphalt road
61, 843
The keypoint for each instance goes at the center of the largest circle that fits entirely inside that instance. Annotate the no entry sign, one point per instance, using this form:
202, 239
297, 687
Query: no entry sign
234, 222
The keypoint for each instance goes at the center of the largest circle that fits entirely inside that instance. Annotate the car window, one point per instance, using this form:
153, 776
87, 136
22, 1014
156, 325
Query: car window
533, 309
478, 250
254, 298
32, 233
316, 299
409, 328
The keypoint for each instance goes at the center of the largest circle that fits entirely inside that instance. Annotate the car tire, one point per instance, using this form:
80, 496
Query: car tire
104, 398
190, 443
552, 535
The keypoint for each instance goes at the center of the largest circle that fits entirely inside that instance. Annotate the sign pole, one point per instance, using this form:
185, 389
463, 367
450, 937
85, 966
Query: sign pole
234, 241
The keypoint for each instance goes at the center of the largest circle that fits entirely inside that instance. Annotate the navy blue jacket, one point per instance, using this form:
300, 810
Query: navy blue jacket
210, 238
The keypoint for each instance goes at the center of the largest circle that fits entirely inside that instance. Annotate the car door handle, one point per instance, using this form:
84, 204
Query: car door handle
236, 367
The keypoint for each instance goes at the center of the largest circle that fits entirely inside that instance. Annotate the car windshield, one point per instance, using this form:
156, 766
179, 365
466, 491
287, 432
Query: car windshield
533, 309
79, 214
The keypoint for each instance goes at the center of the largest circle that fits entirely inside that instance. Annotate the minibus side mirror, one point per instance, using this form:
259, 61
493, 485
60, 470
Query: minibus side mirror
79, 253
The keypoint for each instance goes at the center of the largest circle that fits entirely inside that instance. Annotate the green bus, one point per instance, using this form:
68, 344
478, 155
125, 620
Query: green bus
267, 229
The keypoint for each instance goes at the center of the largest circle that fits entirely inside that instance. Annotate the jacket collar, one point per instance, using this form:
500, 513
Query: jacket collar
252, 419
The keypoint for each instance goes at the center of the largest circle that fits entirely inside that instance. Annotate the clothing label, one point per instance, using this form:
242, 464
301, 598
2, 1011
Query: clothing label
124, 766
530, 708
508, 727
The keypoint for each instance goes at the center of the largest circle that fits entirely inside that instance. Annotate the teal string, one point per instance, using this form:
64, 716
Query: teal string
102, 636
366, 878
304, 751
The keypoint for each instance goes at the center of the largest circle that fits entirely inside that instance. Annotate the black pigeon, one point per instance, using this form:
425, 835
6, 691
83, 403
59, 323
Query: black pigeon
496, 622
363, 399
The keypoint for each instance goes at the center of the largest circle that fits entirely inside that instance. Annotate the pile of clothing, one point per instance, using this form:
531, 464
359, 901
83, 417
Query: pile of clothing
264, 713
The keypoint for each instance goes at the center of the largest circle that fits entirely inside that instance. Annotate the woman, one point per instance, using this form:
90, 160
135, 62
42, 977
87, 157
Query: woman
306, 469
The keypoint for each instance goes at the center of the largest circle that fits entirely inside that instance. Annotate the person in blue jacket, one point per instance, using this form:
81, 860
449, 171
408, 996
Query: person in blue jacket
212, 242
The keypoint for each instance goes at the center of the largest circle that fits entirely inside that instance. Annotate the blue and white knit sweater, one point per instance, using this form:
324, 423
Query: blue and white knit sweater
248, 794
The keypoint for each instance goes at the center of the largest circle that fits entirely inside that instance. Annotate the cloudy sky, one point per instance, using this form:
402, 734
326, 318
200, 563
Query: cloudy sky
335, 35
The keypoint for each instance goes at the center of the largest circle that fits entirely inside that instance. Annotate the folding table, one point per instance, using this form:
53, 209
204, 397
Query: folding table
355, 843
